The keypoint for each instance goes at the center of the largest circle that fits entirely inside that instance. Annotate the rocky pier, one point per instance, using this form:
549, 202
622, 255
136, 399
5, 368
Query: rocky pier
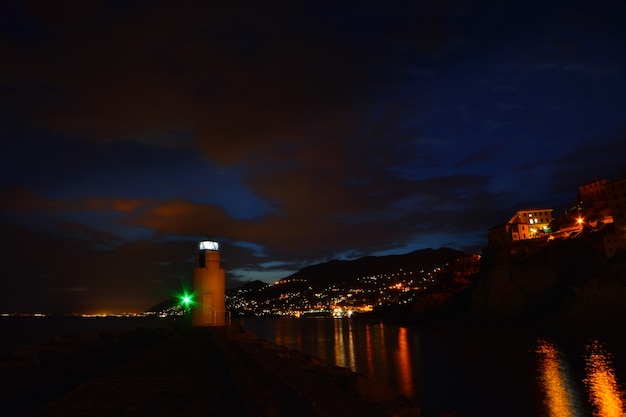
222, 371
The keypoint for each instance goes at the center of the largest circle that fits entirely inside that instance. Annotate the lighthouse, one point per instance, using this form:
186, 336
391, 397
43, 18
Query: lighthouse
208, 285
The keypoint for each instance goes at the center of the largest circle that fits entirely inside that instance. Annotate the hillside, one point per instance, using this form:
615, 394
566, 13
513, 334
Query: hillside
342, 271
345, 274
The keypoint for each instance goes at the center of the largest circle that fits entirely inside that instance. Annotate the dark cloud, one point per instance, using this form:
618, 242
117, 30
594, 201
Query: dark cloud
601, 158
64, 274
236, 76
292, 132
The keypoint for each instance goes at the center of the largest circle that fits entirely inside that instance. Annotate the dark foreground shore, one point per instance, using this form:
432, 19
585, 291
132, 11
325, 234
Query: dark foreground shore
191, 372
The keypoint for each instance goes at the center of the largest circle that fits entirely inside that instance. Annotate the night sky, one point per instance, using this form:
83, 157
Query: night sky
292, 132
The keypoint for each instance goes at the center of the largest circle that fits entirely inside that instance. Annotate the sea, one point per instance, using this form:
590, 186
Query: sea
471, 370
476, 370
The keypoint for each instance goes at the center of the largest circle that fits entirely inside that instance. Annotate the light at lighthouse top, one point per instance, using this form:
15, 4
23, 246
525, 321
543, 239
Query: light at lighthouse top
209, 245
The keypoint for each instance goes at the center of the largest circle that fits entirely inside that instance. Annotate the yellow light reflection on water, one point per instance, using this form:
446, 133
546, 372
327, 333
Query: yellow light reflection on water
560, 396
352, 353
340, 356
604, 392
344, 352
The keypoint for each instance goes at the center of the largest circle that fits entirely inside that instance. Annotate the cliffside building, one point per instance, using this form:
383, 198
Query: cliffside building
593, 194
594, 201
601, 205
525, 225
615, 239
530, 223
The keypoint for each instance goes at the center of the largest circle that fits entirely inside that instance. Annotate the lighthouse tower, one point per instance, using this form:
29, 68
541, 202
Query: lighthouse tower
208, 285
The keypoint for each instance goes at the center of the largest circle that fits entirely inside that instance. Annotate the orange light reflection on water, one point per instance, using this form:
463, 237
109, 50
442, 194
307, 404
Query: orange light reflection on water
369, 351
604, 392
286, 336
403, 356
381, 354
560, 396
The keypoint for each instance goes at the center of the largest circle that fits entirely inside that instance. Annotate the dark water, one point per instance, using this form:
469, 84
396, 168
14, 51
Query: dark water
479, 371
21, 331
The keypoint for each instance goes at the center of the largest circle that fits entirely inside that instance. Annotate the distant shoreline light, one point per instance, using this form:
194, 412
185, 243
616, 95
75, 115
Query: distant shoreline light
82, 315
23, 315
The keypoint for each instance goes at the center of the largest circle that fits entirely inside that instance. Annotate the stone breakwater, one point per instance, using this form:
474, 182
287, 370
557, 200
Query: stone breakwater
33, 375
188, 372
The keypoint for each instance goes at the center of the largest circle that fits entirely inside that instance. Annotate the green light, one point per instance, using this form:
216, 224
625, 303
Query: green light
185, 299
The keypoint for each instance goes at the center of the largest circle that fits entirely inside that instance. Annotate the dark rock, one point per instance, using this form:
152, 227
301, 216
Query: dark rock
369, 389
566, 283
